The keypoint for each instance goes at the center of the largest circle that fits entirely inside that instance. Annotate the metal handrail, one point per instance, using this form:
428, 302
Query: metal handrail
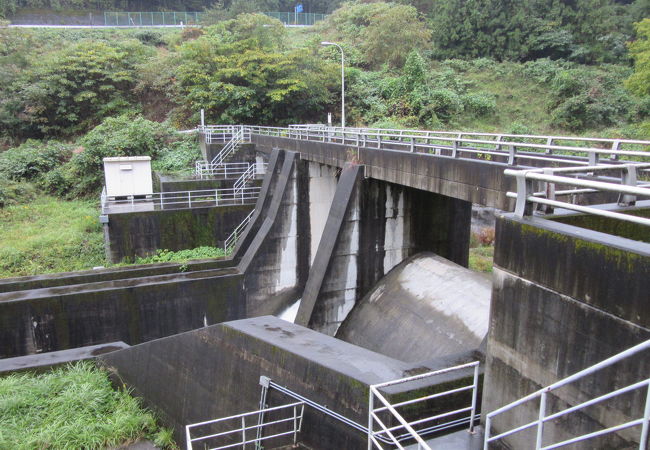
295, 419
231, 240
206, 197
224, 170
387, 432
457, 145
626, 186
543, 417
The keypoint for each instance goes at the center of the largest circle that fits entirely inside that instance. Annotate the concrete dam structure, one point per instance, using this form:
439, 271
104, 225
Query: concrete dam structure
394, 340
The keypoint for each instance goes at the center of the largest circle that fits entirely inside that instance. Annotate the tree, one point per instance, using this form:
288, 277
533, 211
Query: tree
70, 90
639, 81
378, 33
238, 75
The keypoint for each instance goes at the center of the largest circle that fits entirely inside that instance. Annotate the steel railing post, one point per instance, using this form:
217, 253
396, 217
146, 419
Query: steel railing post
540, 421
371, 407
474, 395
646, 419
486, 438
243, 432
628, 178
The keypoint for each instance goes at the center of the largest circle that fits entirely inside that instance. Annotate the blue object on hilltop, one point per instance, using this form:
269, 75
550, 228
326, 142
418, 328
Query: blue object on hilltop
298, 8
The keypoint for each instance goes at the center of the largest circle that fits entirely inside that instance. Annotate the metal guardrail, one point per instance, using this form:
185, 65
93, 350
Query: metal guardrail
511, 149
231, 240
181, 199
224, 171
240, 427
582, 180
389, 432
544, 417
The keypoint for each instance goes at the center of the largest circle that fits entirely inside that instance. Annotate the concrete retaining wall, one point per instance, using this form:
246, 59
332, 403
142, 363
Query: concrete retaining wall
214, 372
128, 235
565, 298
132, 310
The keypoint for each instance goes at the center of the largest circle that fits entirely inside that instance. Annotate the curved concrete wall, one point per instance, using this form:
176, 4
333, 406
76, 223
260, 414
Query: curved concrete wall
426, 307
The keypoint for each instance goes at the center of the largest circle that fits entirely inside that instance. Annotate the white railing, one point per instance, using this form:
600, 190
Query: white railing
510, 149
253, 171
543, 417
626, 185
230, 147
407, 430
223, 171
241, 433
231, 240
182, 199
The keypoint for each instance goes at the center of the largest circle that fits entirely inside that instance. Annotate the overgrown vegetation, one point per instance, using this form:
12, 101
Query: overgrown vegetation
163, 255
50, 235
481, 250
72, 407
69, 98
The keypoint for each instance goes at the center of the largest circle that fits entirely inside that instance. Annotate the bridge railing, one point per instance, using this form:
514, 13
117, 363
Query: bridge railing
581, 180
181, 199
545, 418
511, 149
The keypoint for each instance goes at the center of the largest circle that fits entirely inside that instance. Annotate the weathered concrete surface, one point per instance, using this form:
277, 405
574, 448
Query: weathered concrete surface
275, 263
170, 182
426, 307
332, 279
475, 181
107, 274
214, 372
322, 187
132, 310
45, 361
132, 234
372, 226
565, 298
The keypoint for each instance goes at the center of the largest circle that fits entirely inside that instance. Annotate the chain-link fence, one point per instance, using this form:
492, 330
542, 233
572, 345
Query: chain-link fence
289, 18
176, 18
148, 19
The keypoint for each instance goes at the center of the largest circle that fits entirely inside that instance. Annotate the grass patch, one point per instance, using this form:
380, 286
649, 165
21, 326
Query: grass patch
480, 258
50, 235
72, 407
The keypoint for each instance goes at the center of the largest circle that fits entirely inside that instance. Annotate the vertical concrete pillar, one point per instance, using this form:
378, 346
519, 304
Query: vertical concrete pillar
275, 262
373, 226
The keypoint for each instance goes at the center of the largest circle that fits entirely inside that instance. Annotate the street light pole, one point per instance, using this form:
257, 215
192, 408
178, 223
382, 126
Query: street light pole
342, 80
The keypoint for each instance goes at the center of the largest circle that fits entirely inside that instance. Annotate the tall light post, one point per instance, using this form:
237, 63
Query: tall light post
342, 80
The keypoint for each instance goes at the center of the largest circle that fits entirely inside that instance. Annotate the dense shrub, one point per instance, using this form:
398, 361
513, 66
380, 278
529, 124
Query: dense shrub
33, 159
126, 135
180, 158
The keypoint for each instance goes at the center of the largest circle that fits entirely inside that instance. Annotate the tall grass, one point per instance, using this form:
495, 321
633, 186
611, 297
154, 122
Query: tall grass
70, 408
50, 235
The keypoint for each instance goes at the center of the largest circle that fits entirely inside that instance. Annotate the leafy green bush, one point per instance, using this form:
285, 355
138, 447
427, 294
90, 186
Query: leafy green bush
33, 159
479, 104
180, 158
126, 135
16, 193
182, 255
